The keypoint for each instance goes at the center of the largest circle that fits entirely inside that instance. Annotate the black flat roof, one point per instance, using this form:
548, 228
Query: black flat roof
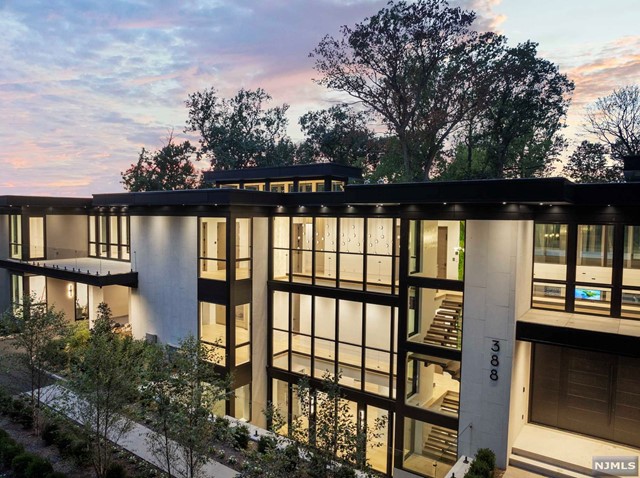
43, 201
300, 171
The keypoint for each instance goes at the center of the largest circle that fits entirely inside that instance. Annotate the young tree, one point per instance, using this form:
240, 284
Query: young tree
615, 120
338, 135
34, 326
168, 168
239, 132
104, 382
419, 66
588, 164
183, 389
330, 433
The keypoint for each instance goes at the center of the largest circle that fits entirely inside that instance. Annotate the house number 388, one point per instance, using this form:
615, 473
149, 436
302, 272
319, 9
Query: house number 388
495, 360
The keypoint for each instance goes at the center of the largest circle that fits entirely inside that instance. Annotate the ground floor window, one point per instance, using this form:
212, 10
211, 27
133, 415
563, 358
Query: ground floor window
429, 450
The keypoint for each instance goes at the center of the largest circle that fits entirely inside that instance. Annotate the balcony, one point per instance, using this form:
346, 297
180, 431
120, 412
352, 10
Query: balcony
75, 265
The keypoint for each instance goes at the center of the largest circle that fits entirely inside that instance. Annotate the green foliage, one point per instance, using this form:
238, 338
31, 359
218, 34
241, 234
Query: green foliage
50, 432
9, 449
240, 434
483, 464
183, 387
34, 326
55, 474
239, 132
266, 443
339, 135
419, 66
116, 470
38, 468
105, 377
20, 463
221, 429
168, 168
589, 164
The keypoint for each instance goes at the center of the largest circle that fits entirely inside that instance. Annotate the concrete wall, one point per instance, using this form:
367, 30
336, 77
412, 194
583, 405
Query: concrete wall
58, 297
164, 251
259, 332
5, 283
497, 287
67, 236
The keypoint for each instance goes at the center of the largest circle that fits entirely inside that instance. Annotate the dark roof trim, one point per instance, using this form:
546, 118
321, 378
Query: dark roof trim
43, 201
189, 197
316, 170
522, 191
129, 279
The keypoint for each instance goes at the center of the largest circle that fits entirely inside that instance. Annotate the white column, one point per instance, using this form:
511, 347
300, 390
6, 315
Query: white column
259, 328
497, 290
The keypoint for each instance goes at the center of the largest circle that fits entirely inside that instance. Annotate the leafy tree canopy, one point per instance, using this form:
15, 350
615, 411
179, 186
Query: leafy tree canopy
168, 168
588, 164
239, 132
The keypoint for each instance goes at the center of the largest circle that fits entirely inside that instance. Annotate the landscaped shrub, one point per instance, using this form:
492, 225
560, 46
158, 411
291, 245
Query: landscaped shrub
9, 449
221, 429
56, 474
291, 455
50, 432
479, 469
3, 434
63, 441
80, 451
5, 402
38, 468
20, 463
266, 443
487, 456
115, 470
344, 472
241, 436
56, 354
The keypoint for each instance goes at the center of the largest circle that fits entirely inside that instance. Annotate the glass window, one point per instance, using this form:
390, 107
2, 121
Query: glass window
436, 249
242, 402
433, 383
243, 333
593, 300
243, 248
550, 253
377, 447
595, 254
549, 296
213, 325
38, 288
213, 248
36, 238
351, 246
15, 236
631, 304
350, 322
254, 187
17, 289
325, 243
325, 318
631, 272
435, 317
301, 247
82, 301
281, 310
429, 447
280, 401
103, 237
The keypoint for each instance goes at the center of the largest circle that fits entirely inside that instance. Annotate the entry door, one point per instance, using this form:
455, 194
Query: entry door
442, 252
586, 392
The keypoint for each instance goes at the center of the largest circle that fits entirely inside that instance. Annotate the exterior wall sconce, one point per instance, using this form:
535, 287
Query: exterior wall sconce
70, 291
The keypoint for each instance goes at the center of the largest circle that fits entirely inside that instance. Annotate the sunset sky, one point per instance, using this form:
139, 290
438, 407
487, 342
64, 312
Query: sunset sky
85, 83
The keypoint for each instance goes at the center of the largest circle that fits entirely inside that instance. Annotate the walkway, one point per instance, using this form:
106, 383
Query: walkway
134, 441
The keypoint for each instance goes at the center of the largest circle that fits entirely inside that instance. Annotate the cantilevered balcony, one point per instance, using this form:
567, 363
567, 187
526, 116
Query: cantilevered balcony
75, 265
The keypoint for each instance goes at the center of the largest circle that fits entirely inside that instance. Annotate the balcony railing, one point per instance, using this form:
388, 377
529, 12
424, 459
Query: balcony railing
77, 260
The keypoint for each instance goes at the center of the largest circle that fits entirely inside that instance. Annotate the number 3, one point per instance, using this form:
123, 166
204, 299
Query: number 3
496, 346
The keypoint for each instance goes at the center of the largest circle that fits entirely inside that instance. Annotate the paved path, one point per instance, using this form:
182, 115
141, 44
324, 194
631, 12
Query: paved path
136, 440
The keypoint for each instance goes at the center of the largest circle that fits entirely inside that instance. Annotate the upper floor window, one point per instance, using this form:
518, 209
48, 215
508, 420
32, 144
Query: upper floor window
550, 252
109, 237
436, 249
213, 248
15, 236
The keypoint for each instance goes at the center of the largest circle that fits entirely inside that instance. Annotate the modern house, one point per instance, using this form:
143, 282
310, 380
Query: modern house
499, 313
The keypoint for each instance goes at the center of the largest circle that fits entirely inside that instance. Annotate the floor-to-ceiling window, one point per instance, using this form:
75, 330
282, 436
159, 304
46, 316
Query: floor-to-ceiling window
15, 236
213, 248
109, 236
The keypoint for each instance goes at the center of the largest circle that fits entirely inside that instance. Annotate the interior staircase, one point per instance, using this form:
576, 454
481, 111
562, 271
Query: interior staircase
441, 445
451, 402
445, 328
